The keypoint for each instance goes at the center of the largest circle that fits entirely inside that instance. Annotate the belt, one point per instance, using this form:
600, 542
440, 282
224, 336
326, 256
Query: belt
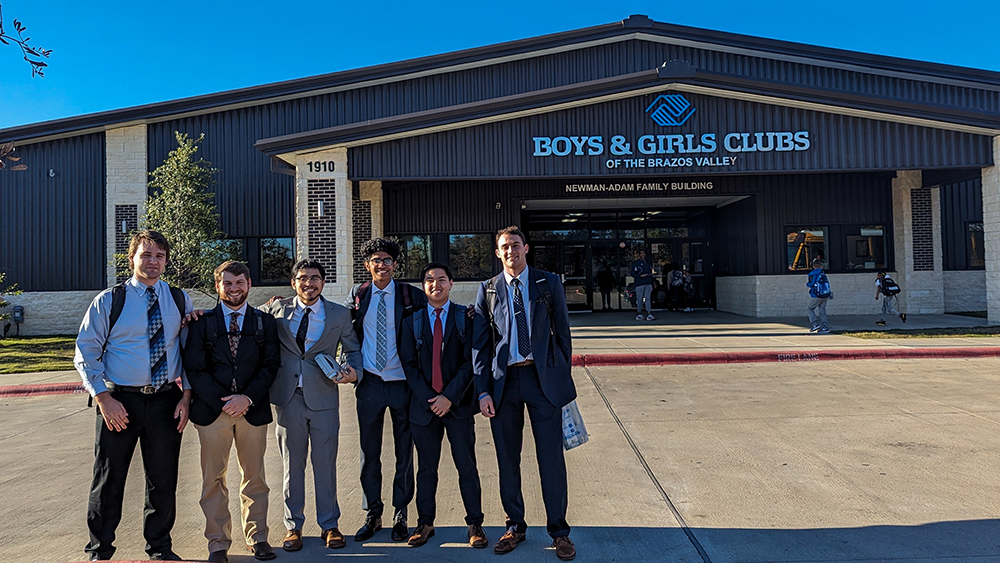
525, 363
144, 389
380, 378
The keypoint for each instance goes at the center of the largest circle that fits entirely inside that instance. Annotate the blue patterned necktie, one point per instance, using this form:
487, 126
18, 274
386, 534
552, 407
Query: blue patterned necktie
157, 341
523, 338
380, 335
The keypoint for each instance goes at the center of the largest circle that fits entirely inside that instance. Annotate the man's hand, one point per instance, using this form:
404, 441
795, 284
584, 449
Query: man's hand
348, 375
192, 316
114, 413
236, 405
183, 410
440, 405
486, 407
273, 299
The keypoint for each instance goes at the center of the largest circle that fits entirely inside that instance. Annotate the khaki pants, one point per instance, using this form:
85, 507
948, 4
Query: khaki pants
216, 445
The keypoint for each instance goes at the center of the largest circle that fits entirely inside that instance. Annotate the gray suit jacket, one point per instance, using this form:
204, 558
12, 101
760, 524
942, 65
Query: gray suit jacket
319, 392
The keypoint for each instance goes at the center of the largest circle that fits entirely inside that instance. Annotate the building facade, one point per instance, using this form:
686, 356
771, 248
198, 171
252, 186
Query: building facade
736, 158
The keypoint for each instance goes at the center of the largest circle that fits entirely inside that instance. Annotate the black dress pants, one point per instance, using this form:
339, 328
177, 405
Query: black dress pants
462, 436
152, 425
523, 390
374, 397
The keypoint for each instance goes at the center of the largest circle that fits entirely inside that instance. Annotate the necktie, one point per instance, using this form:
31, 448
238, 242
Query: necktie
300, 335
380, 334
157, 341
436, 380
234, 339
523, 338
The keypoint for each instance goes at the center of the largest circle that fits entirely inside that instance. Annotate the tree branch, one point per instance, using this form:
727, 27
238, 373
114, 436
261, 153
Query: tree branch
33, 55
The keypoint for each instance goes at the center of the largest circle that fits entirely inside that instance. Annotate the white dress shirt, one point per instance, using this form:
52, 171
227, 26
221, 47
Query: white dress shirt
126, 359
514, 355
317, 319
393, 370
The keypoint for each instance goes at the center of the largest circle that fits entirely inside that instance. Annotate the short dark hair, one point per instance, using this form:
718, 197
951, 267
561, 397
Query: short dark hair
148, 236
511, 230
880, 273
233, 267
305, 264
435, 265
381, 244
818, 260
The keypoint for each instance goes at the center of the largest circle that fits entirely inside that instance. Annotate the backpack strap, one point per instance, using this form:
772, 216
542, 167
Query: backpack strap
407, 299
360, 294
460, 325
491, 302
418, 330
542, 284
117, 304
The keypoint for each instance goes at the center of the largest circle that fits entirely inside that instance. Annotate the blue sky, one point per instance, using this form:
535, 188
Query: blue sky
116, 54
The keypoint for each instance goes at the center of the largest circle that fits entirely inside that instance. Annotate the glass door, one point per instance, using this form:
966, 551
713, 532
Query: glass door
608, 272
569, 262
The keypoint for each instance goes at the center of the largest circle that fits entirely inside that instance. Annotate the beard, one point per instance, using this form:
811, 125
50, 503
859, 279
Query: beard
234, 303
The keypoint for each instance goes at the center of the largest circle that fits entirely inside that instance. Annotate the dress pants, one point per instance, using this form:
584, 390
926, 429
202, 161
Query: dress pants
152, 425
216, 445
427, 440
522, 389
298, 427
374, 396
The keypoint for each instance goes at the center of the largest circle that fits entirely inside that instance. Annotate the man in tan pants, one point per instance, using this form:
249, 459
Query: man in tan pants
232, 357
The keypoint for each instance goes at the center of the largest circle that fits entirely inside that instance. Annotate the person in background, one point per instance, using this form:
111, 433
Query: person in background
819, 294
888, 290
642, 274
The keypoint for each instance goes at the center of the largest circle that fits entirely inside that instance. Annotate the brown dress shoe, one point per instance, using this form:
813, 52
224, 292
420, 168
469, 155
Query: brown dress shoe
477, 536
508, 542
420, 536
564, 548
293, 540
334, 539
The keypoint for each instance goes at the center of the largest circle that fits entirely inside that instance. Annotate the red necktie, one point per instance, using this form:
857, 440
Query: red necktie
436, 381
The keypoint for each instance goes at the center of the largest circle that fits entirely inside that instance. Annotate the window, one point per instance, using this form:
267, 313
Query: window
865, 248
977, 256
471, 256
414, 254
277, 256
804, 244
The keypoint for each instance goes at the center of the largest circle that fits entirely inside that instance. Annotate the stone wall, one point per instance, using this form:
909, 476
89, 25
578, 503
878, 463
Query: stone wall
125, 153
991, 232
737, 294
788, 296
964, 291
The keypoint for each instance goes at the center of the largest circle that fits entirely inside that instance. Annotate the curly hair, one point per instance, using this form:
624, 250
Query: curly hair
389, 246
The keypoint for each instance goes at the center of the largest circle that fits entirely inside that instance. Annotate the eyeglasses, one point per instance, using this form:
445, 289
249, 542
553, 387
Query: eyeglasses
384, 261
304, 279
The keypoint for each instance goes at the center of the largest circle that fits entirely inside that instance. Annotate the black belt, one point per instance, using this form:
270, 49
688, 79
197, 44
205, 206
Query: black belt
379, 377
523, 364
144, 389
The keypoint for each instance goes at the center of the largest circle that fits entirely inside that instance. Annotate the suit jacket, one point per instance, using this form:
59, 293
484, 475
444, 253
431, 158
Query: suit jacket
456, 366
552, 352
211, 367
318, 391
359, 308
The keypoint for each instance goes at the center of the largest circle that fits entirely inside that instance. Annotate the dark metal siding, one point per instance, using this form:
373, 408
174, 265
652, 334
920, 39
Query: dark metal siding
833, 200
53, 237
734, 241
961, 203
504, 149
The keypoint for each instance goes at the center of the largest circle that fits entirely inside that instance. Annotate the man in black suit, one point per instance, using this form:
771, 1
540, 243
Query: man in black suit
436, 356
231, 359
379, 307
521, 354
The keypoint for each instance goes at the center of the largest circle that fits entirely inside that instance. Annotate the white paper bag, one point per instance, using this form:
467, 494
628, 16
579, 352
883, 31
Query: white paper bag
574, 431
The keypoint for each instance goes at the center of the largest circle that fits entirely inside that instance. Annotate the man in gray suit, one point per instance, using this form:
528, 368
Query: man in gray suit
307, 403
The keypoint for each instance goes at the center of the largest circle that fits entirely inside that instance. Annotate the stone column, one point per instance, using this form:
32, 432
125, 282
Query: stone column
323, 217
125, 153
367, 223
916, 216
991, 233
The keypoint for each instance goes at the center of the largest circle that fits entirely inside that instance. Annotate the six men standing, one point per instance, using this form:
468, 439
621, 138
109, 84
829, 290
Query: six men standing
418, 355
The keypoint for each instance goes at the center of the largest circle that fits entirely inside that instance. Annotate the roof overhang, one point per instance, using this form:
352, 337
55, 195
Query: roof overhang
675, 76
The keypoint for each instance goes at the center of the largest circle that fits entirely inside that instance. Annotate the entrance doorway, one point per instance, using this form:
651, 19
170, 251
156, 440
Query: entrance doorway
592, 251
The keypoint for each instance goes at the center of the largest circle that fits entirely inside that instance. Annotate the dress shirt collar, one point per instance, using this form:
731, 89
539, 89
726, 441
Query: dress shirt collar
390, 291
444, 313
523, 276
229, 311
315, 307
137, 285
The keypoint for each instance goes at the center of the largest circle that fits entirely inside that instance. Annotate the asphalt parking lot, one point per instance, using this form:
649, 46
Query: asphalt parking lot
779, 462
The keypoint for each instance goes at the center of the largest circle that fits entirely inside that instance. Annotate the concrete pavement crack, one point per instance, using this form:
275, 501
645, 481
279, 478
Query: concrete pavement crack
649, 471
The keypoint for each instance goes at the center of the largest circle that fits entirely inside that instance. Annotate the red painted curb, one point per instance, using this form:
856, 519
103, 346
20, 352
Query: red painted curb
582, 360
780, 356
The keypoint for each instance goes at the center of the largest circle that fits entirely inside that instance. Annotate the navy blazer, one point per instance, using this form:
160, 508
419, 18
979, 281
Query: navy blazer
456, 366
360, 307
211, 368
551, 350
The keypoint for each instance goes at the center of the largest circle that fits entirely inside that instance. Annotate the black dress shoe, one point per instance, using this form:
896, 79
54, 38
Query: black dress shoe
164, 555
262, 551
372, 525
400, 532
218, 556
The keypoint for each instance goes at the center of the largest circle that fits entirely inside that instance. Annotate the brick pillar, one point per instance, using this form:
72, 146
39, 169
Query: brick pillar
323, 213
991, 233
916, 215
125, 153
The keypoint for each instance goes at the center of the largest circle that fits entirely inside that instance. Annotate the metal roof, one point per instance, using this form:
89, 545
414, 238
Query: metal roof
635, 27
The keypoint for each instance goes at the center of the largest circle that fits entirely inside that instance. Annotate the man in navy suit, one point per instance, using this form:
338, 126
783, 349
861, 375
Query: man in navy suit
436, 356
379, 308
521, 353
